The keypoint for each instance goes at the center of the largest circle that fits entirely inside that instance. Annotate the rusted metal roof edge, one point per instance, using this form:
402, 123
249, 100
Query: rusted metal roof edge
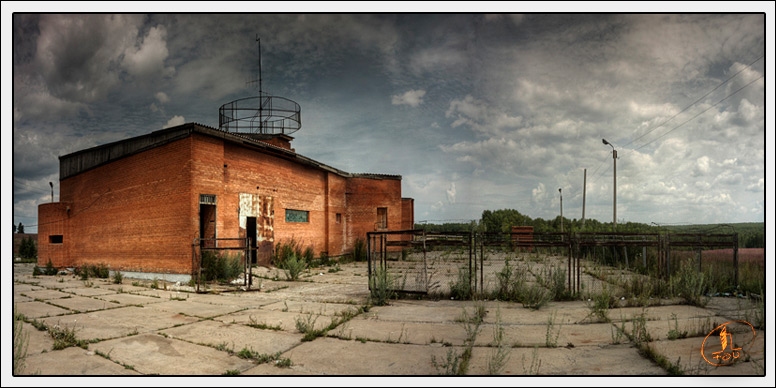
189, 128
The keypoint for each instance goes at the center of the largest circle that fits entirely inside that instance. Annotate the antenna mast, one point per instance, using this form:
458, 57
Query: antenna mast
273, 115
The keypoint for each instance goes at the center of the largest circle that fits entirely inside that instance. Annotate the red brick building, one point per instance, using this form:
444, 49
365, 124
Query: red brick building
140, 203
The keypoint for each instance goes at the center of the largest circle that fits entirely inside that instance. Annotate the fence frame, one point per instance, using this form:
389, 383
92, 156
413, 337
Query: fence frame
196, 259
378, 244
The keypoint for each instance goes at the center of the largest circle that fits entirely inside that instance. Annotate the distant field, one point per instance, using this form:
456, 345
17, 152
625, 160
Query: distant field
745, 255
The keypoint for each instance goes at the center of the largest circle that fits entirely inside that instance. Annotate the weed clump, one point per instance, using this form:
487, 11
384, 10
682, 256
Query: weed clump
221, 267
381, 285
293, 266
461, 289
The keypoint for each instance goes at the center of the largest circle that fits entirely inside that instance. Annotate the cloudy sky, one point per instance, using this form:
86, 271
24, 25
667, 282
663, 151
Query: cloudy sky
475, 111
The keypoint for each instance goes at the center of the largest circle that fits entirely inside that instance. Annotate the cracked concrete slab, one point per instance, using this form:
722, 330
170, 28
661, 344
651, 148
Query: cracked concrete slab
84, 304
123, 321
285, 320
401, 332
310, 307
35, 309
235, 337
46, 294
129, 299
587, 360
196, 309
73, 361
331, 356
90, 291
154, 354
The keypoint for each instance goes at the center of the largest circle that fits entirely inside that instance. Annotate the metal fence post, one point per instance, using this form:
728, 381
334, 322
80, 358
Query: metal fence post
369, 254
735, 259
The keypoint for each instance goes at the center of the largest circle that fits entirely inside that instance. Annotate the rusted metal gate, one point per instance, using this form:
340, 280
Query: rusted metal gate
699, 241
420, 262
427, 260
220, 245
525, 239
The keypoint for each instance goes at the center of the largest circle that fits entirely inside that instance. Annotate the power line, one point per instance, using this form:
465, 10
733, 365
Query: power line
695, 102
595, 177
702, 112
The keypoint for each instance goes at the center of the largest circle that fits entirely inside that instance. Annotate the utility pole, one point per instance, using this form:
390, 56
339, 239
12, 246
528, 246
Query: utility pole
561, 210
584, 193
614, 157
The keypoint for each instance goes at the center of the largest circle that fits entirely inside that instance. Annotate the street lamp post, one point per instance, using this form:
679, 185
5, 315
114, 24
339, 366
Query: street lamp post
614, 157
561, 210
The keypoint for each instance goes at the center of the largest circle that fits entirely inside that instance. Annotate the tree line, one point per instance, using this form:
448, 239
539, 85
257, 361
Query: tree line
750, 235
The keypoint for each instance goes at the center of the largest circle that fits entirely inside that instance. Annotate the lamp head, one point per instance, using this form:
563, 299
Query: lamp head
605, 142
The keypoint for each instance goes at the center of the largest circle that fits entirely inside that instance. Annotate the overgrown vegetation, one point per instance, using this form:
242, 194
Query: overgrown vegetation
292, 258
461, 288
65, 337
500, 354
28, 249
21, 341
305, 324
381, 286
359, 250
689, 284
221, 267
455, 363
86, 271
293, 266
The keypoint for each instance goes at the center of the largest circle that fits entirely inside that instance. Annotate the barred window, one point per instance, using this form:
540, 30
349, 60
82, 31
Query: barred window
297, 215
207, 199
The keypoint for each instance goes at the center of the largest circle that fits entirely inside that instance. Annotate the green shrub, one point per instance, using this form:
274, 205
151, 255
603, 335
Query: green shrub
284, 250
461, 289
534, 297
359, 250
293, 266
36, 271
308, 255
221, 267
50, 269
118, 277
690, 285
381, 286
28, 249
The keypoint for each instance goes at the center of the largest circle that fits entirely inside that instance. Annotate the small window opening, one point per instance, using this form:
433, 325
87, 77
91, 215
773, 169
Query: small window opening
55, 239
382, 218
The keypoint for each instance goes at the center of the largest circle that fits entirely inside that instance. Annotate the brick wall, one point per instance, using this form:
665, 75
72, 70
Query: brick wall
52, 221
364, 196
132, 214
141, 212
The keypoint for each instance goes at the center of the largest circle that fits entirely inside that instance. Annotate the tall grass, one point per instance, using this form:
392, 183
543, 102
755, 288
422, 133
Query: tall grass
381, 285
221, 267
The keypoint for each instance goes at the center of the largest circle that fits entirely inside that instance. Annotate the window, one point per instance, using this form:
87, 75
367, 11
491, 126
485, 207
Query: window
207, 199
297, 215
339, 218
382, 218
55, 239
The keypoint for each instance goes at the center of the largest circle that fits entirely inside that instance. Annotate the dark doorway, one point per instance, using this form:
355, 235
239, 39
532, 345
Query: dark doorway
250, 230
207, 225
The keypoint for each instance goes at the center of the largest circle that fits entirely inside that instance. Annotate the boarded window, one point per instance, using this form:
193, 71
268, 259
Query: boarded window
297, 215
339, 218
55, 239
382, 218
